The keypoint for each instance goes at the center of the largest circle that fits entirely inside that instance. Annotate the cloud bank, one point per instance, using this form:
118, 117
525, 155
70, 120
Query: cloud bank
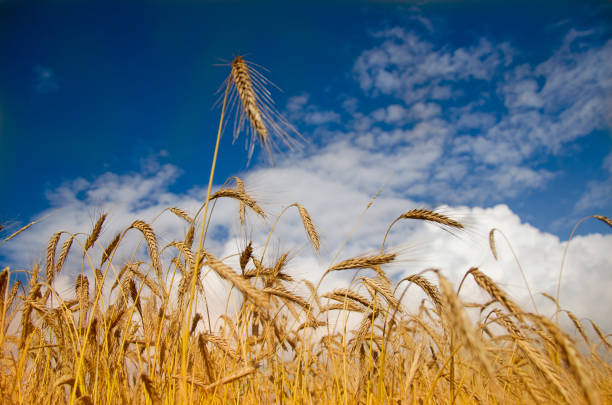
336, 208
469, 127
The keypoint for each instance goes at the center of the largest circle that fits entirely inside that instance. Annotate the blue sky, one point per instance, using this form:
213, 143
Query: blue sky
493, 108
96, 87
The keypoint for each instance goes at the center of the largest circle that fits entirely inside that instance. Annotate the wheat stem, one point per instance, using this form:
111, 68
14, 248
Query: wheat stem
200, 251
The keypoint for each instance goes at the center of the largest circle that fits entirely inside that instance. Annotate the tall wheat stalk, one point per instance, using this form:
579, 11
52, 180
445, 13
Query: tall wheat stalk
199, 253
258, 114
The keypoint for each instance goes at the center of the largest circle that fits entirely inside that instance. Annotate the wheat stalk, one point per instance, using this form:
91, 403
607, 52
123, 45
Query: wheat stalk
242, 197
95, 233
245, 256
242, 209
600, 334
430, 289
495, 292
383, 290
241, 77
110, 248
312, 233
81, 289
431, 216
181, 214
63, 254
50, 262
363, 262
151, 240
578, 326
243, 285
492, 243
459, 322
572, 357
341, 295
225, 380
603, 219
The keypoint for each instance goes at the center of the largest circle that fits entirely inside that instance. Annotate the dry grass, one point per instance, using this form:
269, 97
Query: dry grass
278, 346
120, 341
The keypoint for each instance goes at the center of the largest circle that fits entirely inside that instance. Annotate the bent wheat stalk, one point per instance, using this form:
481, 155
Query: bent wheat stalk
424, 215
601, 218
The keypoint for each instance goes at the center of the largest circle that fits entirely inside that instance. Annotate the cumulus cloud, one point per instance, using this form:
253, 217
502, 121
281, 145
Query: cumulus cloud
422, 136
335, 206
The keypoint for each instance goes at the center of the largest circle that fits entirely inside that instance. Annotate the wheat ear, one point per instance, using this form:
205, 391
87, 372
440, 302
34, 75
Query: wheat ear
495, 292
311, 231
245, 256
578, 326
110, 248
151, 240
573, 359
459, 322
95, 233
150, 388
359, 262
81, 289
430, 289
242, 209
50, 262
363, 262
248, 98
242, 197
600, 334
603, 219
63, 254
226, 272
492, 243
342, 294
243, 372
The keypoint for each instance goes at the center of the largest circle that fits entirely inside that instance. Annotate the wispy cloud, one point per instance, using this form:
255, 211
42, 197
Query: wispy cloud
45, 80
444, 141
598, 192
299, 109
413, 69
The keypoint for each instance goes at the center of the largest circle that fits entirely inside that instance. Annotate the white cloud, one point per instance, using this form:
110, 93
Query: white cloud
299, 110
296, 103
573, 101
321, 117
497, 153
598, 192
397, 114
433, 141
412, 69
335, 205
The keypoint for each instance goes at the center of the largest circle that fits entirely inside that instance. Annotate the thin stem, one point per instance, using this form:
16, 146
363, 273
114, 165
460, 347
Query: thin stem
382, 247
563, 263
199, 254
273, 227
535, 307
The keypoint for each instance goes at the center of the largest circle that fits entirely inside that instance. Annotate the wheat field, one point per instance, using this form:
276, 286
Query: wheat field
137, 331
